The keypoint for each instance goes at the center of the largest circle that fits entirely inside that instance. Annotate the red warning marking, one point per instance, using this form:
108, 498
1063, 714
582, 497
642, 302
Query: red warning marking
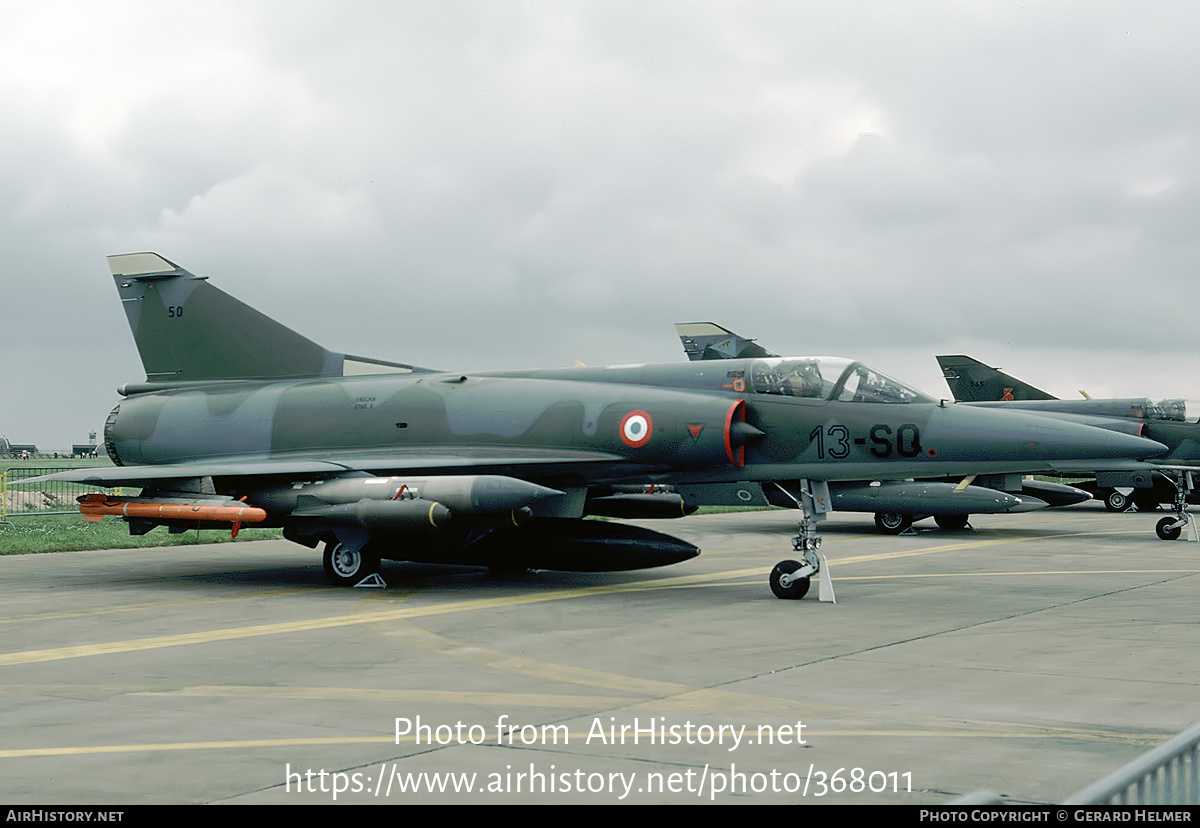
695, 429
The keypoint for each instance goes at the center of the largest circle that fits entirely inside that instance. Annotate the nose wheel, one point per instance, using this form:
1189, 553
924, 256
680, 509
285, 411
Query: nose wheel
791, 579
1170, 528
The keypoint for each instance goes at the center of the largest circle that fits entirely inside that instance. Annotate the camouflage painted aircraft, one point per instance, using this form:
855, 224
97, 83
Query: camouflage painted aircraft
1174, 423
241, 420
897, 504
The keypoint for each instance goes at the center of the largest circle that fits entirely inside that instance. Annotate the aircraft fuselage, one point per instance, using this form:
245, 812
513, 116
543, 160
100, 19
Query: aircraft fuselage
639, 422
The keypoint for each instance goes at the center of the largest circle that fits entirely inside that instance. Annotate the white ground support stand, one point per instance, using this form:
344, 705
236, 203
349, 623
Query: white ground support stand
825, 584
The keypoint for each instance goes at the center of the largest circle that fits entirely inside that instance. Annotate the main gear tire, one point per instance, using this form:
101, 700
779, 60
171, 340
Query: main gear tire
1114, 501
951, 523
892, 523
346, 566
1146, 501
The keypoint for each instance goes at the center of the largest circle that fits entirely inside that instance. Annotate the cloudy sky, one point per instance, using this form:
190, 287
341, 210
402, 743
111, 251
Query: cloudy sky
481, 185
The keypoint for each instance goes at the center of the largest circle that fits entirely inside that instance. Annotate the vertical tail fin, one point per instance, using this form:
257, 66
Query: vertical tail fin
188, 331
707, 340
972, 381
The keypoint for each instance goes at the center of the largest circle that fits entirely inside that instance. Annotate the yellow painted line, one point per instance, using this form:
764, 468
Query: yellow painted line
21, 753
283, 628
651, 695
1022, 573
417, 637
1147, 739
880, 556
929, 550
74, 690
231, 634
677, 699
665, 697
454, 697
152, 605
687, 698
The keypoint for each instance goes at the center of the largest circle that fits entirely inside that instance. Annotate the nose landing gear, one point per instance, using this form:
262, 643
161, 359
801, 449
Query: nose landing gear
1170, 528
791, 579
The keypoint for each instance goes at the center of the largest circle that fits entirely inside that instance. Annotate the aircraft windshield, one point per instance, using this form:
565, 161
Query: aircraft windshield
828, 378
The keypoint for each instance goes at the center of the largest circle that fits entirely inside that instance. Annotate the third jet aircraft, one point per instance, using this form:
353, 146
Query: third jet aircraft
1174, 423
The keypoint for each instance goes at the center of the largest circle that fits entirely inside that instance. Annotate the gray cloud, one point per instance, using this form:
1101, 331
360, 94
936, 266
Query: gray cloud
497, 185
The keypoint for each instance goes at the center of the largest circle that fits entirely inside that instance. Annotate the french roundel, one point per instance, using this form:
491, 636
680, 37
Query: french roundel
635, 428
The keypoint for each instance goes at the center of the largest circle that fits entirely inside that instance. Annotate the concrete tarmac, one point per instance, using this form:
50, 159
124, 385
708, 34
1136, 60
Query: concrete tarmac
1030, 656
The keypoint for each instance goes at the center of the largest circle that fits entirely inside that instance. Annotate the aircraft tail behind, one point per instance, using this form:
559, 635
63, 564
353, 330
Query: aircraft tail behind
972, 381
188, 331
708, 340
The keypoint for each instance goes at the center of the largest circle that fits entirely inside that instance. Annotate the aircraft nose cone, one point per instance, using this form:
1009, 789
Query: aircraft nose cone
1022, 436
1070, 440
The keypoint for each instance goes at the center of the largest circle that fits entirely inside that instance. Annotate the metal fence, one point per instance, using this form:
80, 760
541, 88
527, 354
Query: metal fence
1167, 775
51, 497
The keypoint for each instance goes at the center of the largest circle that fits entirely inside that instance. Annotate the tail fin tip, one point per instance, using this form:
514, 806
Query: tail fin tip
143, 265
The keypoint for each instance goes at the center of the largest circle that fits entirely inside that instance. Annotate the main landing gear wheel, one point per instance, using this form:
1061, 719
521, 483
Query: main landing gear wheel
1114, 501
346, 566
892, 523
794, 589
1167, 530
951, 523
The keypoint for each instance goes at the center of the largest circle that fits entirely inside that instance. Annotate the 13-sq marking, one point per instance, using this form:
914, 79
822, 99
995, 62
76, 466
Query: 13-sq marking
834, 441
836, 445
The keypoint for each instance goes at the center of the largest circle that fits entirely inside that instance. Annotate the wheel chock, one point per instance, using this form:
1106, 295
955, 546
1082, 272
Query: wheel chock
825, 584
372, 581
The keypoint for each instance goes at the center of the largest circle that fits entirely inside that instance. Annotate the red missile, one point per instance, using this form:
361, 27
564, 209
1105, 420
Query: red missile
95, 506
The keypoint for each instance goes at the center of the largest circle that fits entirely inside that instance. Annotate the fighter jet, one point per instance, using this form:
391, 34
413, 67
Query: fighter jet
241, 420
897, 504
1175, 423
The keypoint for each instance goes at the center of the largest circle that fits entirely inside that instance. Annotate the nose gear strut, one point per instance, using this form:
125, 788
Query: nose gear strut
791, 579
1169, 528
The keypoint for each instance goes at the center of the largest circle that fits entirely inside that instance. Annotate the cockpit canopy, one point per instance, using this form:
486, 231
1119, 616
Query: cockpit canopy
828, 378
1183, 411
